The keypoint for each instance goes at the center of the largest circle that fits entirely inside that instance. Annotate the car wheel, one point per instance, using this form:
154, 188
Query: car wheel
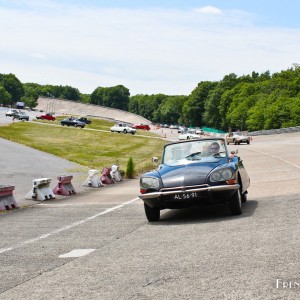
244, 197
132, 133
235, 142
235, 204
248, 142
152, 213
125, 131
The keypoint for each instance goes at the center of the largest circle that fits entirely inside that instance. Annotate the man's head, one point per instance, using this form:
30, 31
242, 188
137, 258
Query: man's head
214, 148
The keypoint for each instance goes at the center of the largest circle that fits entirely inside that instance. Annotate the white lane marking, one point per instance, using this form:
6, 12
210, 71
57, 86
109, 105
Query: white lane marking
67, 227
5, 250
77, 253
277, 157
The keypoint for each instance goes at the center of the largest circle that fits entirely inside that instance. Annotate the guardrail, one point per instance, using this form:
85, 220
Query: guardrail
274, 131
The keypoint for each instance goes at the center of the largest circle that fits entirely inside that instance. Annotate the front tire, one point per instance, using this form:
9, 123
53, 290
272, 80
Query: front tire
152, 213
244, 197
125, 131
235, 204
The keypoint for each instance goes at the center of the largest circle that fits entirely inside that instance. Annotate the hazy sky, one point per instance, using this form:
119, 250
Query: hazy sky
150, 47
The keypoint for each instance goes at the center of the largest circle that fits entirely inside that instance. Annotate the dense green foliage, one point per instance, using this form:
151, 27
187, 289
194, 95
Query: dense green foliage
116, 97
249, 102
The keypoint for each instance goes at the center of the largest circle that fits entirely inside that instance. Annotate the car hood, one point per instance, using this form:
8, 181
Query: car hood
183, 175
240, 137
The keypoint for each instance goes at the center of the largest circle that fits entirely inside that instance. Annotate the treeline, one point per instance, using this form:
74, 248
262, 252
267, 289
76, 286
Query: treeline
249, 102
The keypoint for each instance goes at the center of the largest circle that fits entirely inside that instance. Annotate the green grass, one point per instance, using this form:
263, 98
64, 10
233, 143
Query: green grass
90, 148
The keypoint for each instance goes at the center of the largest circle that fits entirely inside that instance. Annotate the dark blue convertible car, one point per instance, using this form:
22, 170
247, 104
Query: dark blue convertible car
194, 173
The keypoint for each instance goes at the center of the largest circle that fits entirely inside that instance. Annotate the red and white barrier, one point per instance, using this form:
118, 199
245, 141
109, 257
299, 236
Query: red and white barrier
64, 186
106, 177
40, 190
7, 200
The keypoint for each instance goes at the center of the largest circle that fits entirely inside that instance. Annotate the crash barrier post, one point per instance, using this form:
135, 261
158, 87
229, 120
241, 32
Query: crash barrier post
40, 190
64, 186
106, 177
93, 179
7, 200
115, 174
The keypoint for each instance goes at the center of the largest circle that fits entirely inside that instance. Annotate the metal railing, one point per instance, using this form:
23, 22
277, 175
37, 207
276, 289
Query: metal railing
274, 131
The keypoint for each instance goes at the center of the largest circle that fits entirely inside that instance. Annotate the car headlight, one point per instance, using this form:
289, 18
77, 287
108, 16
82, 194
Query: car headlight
221, 175
149, 183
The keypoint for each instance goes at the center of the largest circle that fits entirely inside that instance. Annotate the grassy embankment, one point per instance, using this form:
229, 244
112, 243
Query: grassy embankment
92, 148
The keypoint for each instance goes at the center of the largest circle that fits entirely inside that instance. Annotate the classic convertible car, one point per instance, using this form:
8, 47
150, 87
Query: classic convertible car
237, 138
194, 173
72, 122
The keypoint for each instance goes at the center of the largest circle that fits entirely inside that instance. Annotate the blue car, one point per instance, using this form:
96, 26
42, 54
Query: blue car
72, 122
195, 173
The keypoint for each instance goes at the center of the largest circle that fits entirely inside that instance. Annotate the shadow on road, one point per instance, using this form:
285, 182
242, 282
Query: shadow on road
207, 214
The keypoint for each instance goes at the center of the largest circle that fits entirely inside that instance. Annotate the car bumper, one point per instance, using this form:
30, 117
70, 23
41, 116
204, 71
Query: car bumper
184, 197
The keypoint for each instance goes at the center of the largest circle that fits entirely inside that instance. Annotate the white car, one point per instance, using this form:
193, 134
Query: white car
188, 136
237, 138
122, 127
199, 131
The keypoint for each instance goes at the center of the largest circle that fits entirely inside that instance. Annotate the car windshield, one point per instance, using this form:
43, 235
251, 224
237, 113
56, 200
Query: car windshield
206, 150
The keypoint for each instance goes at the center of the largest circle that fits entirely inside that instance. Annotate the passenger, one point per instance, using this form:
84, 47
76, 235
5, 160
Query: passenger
206, 150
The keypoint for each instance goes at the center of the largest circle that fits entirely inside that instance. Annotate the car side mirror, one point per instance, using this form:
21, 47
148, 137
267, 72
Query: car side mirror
155, 160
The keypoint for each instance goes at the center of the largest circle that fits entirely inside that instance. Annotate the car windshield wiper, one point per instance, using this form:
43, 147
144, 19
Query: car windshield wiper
193, 155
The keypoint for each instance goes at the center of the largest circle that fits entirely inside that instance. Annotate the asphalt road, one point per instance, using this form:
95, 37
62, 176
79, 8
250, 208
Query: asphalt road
189, 254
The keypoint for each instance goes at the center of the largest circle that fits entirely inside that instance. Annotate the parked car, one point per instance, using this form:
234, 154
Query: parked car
186, 135
122, 127
84, 120
199, 131
195, 173
12, 113
237, 137
72, 122
46, 116
22, 116
141, 126
174, 126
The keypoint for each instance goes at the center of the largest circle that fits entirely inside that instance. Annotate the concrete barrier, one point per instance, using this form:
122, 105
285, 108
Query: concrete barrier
115, 174
93, 179
7, 200
40, 190
64, 186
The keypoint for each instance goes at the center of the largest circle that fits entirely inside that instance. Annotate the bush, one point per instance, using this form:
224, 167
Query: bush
130, 168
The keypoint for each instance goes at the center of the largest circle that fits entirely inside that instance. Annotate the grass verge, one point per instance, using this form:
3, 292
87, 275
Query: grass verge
90, 148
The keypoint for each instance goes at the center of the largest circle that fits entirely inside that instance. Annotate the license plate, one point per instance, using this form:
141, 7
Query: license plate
185, 196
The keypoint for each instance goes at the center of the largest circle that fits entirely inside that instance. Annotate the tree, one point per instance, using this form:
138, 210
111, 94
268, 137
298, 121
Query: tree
116, 97
170, 109
5, 97
193, 108
13, 86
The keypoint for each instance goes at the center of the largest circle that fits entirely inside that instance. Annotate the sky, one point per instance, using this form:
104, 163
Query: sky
150, 47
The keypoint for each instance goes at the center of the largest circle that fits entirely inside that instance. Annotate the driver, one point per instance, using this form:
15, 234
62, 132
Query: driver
214, 148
